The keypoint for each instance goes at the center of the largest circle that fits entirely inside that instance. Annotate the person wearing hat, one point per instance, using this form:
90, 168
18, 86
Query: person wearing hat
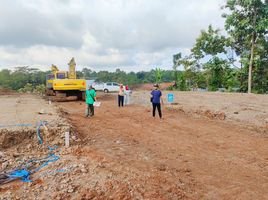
156, 100
90, 99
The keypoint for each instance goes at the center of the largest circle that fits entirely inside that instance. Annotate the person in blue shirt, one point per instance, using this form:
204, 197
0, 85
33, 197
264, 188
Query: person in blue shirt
156, 100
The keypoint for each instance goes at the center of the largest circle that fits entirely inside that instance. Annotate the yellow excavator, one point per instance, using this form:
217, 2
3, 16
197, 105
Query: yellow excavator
64, 85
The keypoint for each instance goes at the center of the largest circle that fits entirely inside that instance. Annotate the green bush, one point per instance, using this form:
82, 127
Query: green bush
40, 89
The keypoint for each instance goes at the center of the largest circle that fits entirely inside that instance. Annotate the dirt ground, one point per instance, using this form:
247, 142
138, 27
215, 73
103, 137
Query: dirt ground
25, 109
125, 153
240, 109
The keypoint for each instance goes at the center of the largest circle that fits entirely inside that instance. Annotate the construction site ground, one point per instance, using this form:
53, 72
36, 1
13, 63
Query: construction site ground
208, 146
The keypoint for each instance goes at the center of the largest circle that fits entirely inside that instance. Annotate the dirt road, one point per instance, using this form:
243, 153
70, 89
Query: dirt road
138, 157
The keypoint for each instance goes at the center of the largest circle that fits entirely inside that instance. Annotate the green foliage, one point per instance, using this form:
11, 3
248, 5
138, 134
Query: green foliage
244, 18
5, 79
27, 88
209, 43
216, 70
40, 89
130, 78
176, 63
158, 75
247, 24
181, 82
20, 77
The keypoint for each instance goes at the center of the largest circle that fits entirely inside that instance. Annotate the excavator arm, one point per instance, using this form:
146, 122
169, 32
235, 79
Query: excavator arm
54, 69
72, 72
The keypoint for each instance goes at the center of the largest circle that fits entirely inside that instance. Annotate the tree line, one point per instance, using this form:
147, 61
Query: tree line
26, 77
29, 79
234, 58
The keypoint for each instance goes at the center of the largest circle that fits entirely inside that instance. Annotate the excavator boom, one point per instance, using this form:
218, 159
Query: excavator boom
72, 72
54, 69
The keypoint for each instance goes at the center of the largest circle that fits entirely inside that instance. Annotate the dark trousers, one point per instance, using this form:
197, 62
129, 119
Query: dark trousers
158, 106
120, 100
90, 110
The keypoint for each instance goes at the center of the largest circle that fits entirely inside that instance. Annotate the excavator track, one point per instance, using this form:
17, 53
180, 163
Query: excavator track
60, 96
63, 99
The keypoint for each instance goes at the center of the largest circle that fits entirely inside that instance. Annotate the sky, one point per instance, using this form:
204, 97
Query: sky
132, 35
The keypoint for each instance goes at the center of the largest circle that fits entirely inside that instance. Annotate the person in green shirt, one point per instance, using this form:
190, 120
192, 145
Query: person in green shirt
90, 99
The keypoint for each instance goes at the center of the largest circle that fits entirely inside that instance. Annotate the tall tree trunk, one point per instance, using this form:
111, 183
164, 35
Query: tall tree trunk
175, 74
253, 41
241, 77
250, 66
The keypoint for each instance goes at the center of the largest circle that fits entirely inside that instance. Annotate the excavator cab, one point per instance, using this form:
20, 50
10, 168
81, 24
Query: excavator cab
61, 75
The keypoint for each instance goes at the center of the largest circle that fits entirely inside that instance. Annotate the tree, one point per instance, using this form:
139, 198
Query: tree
210, 42
211, 46
217, 70
191, 68
181, 81
86, 72
176, 63
120, 76
260, 71
5, 78
40, 89
247, 22
27, 88
158, 75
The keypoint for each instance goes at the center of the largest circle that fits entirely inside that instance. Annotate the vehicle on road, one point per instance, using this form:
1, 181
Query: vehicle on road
106, 87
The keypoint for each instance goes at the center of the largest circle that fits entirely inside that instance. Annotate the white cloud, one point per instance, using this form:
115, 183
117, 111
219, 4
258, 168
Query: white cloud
104, 34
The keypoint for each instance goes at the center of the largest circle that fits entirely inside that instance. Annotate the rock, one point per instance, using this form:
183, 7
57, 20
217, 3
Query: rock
15, 155
236, 113
42, 111
74, 137
64, 181
70, 189
75, 166
4, 165
83, 170
162, 167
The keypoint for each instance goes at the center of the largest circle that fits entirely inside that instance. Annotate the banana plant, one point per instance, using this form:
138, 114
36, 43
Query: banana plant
158, 75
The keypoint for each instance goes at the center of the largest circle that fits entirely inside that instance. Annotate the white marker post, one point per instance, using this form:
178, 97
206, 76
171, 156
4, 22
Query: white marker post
67, 139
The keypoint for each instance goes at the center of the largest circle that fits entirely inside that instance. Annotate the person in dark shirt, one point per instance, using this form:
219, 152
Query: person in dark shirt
156, 100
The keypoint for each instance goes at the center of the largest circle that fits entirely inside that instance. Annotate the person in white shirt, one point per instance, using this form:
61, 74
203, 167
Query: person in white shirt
121, 95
